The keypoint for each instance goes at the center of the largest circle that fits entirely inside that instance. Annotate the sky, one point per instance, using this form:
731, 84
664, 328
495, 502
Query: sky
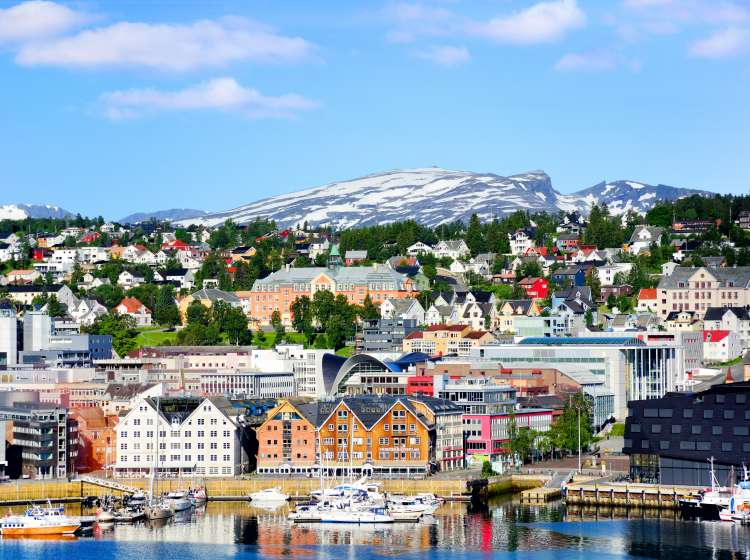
108, 108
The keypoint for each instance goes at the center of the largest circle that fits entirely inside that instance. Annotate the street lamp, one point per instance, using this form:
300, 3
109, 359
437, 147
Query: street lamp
578, 408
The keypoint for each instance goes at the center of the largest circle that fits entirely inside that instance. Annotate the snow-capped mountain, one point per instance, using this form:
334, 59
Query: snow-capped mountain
624, 196
23, 211
168, 215
433, 196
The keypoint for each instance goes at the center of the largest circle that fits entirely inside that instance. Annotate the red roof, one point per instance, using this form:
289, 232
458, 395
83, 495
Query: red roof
176, 244
647, 293
714, 336
475, 334
413, 334
133, 305
529, 281
455, 328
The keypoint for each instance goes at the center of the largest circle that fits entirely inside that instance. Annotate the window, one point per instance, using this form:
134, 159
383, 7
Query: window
717, 430
214, 433
687, 413
201, 421
676, 428
695, 429
741, 431
726, 446
708, 413
729, 414
656, 428
664, 445
342, 414
635, 428
201, 433
665, 413
740, 399
687, 445
720, 399
386, 427
650, 413
644, 444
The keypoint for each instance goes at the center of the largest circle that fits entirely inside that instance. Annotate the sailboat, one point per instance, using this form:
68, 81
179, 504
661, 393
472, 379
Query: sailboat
156, 509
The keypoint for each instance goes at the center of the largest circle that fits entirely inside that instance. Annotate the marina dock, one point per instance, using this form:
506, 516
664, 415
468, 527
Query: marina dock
626, 495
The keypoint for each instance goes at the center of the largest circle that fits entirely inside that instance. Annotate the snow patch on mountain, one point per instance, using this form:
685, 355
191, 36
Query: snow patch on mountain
23, 211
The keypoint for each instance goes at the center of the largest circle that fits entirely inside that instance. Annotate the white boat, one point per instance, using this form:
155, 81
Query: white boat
179, 501
357, 516
38, 522
269, 495
158, 510
412, 504
105, 516
198, 496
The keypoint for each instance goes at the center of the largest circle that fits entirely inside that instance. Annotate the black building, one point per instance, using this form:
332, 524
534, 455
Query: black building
669, 440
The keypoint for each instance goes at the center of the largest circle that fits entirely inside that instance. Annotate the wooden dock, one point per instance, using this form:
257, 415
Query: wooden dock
626, 495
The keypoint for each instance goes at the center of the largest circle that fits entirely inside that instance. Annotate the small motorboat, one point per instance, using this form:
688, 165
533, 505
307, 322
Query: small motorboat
158, 510
269, 496
105, 516
128, 515
39, 522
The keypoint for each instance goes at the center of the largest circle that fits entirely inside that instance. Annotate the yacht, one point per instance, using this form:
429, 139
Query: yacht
269, 496
158, 510
179, 501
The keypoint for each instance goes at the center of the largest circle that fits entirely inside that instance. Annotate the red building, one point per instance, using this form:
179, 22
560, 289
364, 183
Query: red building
535, 288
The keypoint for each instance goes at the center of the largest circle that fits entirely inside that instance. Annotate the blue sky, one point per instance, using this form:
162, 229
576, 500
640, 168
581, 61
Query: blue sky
114, 107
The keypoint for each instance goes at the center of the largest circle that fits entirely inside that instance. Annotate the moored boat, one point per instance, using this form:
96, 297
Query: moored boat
38, 522
269, 495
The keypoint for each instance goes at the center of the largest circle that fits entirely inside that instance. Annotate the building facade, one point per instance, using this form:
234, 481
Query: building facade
670, 440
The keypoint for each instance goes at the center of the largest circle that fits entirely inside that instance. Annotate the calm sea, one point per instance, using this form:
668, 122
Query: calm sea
505, 529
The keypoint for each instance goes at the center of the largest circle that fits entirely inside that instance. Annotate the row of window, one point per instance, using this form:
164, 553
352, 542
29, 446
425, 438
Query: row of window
708, 413
696, 429
176, 445
692, 445
187, 434
174, 458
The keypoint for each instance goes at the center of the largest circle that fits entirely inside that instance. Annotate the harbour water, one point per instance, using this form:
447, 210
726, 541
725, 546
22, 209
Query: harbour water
505, 529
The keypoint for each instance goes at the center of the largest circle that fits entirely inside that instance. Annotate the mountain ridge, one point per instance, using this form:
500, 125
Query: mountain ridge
433, 195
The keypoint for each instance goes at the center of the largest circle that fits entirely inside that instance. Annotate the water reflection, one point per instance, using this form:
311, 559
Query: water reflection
504, 525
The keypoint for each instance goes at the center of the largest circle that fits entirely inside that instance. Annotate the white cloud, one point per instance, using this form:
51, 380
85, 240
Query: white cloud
543, 22
587, 62
446, 55
725, 43
222, 94
414, 20
37, 19
168, 47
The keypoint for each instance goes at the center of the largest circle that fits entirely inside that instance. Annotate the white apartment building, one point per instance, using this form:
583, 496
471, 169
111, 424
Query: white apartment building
8, 337
186, 437
305, 364
248, 384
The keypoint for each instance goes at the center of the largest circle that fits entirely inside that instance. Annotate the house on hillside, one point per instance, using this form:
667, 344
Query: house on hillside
352, 257
521, 241
406, 308
642, 238
132, 307
453, 248
535, 287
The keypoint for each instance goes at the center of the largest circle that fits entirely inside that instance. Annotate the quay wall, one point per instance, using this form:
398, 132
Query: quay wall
621, 495
28, 490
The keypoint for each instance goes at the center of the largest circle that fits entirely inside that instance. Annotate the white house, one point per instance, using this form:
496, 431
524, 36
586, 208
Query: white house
406, 308
453, 248
133, 307
721, 346
520, 241
608, 272
194, 438
643, 237
127, 280
418, 248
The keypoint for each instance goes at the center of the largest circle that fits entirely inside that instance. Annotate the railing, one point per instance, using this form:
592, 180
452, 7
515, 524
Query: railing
111, 484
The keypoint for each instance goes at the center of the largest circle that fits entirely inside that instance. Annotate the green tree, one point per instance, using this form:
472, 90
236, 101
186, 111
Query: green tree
564, 432
302, 317
593, 282
323, 306
521, 440
369, 309
108, 295
120, 327
260, 338
234, 324
278, 326
166, 311
198, 314
475, 236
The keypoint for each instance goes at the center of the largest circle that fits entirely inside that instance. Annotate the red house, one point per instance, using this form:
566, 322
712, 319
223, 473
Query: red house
177, 245
535, 288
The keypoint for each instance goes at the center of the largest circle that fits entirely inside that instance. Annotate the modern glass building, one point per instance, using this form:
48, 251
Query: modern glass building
613, 370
